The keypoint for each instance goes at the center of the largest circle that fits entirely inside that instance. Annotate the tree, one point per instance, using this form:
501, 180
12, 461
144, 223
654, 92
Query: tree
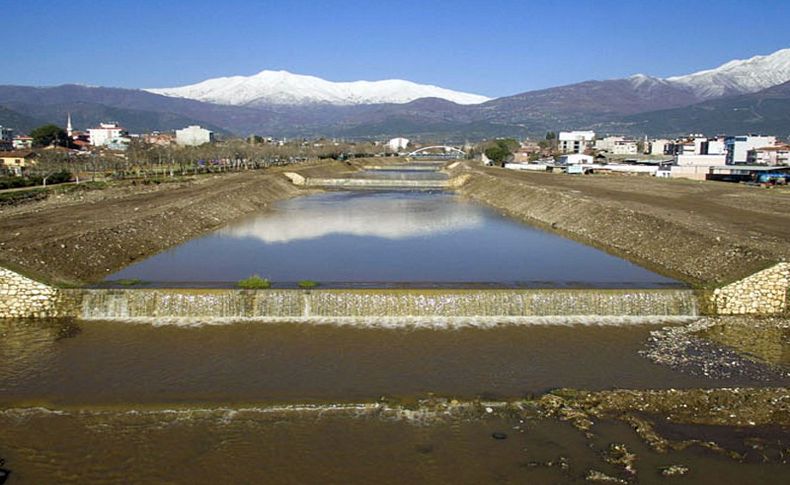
47, 135
500, 150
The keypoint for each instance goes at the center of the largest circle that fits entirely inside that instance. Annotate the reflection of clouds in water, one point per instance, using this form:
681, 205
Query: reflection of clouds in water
385, 218
26, 346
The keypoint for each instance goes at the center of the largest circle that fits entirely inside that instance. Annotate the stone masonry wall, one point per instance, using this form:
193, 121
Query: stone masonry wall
762, 293
21, 297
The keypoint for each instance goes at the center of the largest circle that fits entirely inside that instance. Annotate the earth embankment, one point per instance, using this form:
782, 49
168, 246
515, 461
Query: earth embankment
706, 233
80, 239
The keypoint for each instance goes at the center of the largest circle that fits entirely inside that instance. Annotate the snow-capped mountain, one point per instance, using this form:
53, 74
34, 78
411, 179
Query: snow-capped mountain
735, 77
285, 88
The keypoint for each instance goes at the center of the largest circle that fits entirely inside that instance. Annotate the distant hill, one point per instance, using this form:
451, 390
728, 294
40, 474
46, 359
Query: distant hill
17, 121
739, 96
136, 109
766, 111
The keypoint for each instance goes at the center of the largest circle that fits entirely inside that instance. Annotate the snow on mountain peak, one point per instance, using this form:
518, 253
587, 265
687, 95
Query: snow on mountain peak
285, 88
739, 76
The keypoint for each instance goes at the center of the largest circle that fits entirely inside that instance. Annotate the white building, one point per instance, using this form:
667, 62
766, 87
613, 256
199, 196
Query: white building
773, 156
575, 159
194, 135
658, 147
105, 132
397, 144
738, 146
694, 166
575, 141
616, 145
715, 146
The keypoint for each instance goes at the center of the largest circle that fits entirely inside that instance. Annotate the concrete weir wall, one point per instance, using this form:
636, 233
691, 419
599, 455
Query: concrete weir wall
21, 297
398, 305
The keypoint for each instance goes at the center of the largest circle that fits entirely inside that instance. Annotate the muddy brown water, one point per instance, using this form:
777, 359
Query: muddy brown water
110, 402
96, 363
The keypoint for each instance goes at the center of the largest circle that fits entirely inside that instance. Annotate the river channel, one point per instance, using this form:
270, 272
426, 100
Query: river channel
111, 401
375, 239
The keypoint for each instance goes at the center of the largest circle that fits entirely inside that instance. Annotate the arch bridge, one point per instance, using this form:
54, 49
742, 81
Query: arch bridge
446, 153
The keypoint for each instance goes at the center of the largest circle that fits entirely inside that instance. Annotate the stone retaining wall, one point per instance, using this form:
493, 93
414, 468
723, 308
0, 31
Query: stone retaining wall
762, 293
21, 297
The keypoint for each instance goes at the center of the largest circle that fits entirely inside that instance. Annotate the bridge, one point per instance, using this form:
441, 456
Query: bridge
446, 153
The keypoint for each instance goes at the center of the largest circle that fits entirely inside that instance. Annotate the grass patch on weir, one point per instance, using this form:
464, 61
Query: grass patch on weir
254, 282
307, 284
130, 282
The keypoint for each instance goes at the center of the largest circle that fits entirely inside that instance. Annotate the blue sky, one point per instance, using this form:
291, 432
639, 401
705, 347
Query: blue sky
496, 47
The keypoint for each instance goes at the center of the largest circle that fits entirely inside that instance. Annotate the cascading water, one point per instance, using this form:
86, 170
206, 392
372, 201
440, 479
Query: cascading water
407, 306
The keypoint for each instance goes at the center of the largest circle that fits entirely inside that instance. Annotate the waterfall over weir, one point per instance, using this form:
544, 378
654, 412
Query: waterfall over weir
390, 307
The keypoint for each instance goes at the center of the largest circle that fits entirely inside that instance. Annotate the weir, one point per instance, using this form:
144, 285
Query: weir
393, 306
359, 183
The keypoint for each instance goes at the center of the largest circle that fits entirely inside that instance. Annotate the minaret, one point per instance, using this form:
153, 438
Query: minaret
69, 131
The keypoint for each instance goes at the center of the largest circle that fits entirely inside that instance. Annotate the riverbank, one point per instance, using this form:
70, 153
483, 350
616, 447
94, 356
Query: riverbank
703, 233
81, 236
706, 233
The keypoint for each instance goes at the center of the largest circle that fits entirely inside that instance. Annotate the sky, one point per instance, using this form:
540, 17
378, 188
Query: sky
495, 48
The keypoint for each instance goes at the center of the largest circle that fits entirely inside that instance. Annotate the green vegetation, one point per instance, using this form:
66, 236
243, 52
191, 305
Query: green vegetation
130, 282
500, 150
307, 284
13, 198
58, 177
47, 135
254, 282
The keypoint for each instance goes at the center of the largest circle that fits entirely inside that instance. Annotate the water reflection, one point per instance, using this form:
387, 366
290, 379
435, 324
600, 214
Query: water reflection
384, 215
389, 238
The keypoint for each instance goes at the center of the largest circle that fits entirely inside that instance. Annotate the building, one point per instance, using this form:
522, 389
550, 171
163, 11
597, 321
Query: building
575, 159
657, 147
119, 143
6, 134
17, 162
397, 144
6, 138
194, 135
695, 166
771, 155
575, 141
161, 139
714, 146
22, 142
105, 132
738, 146
528, 150
616, 145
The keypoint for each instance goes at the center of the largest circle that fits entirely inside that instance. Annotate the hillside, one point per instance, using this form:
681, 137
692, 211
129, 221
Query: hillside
767, 111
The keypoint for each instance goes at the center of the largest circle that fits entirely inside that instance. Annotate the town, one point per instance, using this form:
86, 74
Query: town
51, 154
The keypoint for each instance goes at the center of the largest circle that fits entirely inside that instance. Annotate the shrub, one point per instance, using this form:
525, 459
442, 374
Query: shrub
130, 282
307, 284
254, 282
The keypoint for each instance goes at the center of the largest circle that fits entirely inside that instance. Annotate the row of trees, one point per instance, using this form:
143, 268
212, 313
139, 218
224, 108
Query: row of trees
143, 160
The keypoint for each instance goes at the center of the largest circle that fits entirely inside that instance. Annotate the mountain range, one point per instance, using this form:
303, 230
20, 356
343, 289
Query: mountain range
740, 96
